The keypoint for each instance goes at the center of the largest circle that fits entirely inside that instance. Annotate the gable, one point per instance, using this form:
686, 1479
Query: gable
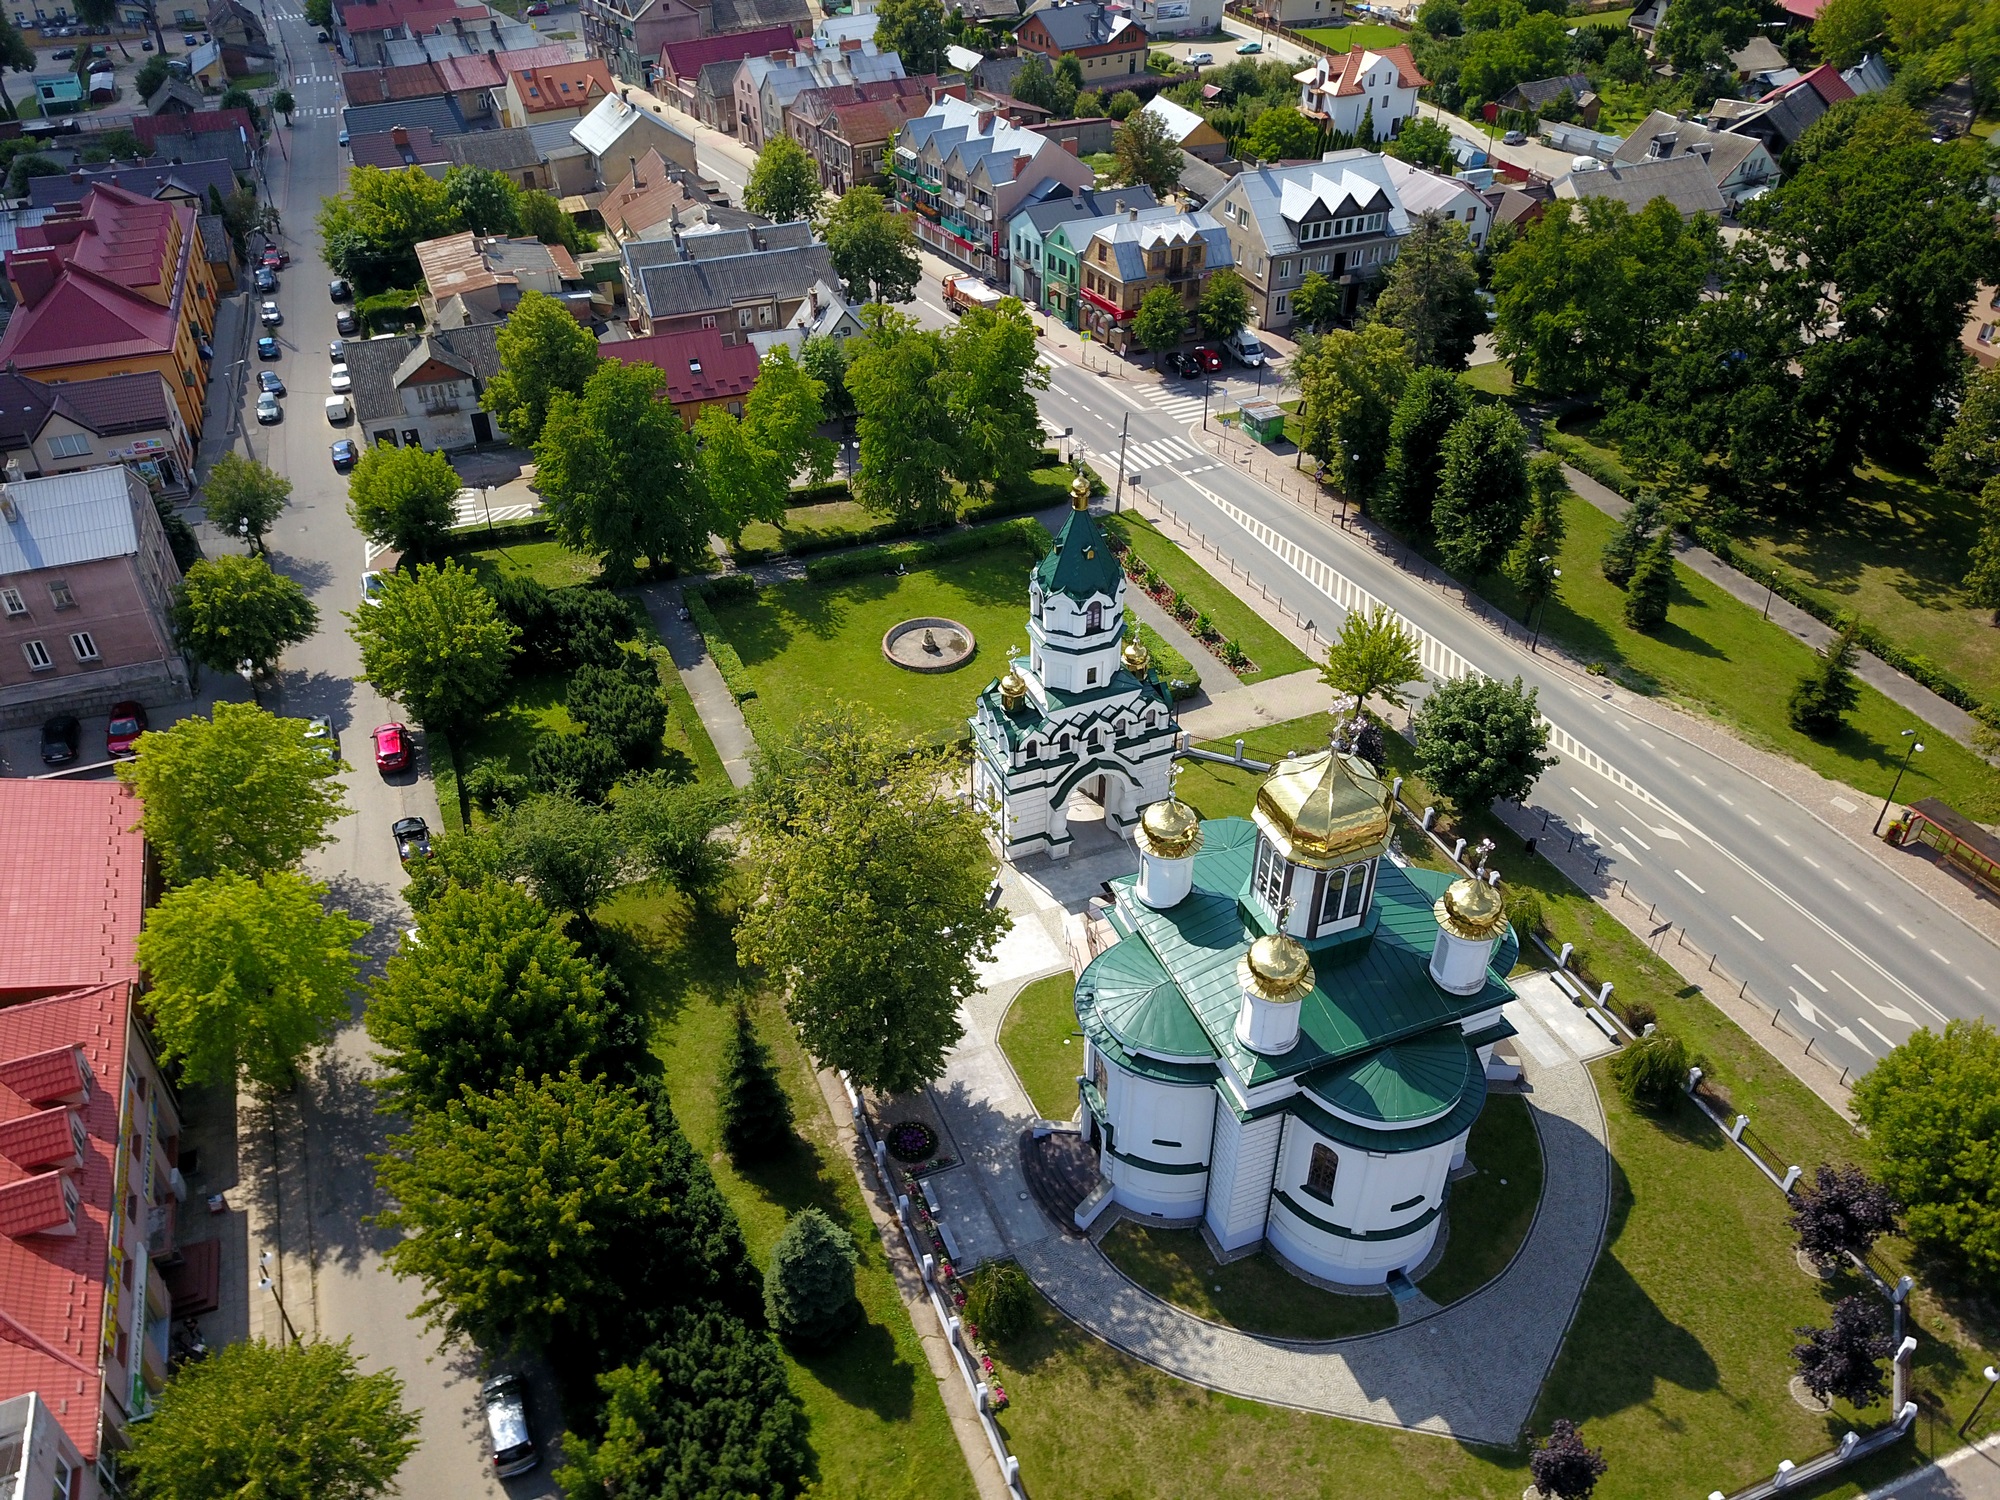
434, 372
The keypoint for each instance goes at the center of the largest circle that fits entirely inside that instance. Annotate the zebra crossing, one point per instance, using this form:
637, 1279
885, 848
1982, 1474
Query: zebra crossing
1180, 407
469, 508
1160, 454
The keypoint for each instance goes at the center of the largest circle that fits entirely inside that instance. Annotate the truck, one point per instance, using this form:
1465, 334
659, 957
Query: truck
962, 292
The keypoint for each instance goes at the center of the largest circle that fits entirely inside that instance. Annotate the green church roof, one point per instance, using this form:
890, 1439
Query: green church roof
1405, 1083
1080, 564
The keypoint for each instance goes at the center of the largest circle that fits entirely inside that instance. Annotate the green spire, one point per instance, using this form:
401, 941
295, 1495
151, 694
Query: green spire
1080, 564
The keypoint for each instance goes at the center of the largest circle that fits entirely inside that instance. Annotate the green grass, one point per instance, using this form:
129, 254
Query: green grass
1273, 655
547, 562
1040, 1037
878, 1425
1613, 18
1255, 1294
1340, 38
1495, 379
806, 645
844, 518
1488, 1214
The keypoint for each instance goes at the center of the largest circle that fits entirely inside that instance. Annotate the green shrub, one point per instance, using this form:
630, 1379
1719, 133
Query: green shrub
585, 766
1524, 910
727, 662
1651, 1071
809, 1293
622, 704
725, 588
490, 784
1001, 1301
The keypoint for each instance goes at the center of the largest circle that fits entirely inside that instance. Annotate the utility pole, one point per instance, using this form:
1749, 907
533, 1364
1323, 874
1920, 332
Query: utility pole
1915, 746
267, 1284
1124, 432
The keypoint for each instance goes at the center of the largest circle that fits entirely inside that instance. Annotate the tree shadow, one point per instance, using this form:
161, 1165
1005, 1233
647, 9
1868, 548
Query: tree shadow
381, 909
344, 1124
308, 573
866, 1370
315, 694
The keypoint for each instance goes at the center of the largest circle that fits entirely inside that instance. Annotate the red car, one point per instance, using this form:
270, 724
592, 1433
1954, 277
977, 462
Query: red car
128, 722
276, 259
392, 748
538, 9
1211, 358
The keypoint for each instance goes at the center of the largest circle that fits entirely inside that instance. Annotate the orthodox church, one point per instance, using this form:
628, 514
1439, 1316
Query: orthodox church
1288, 1043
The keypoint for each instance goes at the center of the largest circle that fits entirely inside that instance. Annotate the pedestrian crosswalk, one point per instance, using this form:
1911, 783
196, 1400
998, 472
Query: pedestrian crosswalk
471, 509
1160, 454
1182, 408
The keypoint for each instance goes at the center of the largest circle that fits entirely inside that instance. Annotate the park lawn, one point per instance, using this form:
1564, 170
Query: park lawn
1255, 1294
1613, 18
1040, 1036
1487, 1214
809, 645
811, 524
878, 1426
1371, 35
1272, 653
1493, 379
1715, 653
546, 561
685, 748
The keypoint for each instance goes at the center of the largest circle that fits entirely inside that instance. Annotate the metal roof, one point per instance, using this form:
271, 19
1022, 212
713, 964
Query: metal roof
70, 518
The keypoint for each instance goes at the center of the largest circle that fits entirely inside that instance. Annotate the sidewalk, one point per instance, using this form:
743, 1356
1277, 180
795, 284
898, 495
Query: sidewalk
714, 704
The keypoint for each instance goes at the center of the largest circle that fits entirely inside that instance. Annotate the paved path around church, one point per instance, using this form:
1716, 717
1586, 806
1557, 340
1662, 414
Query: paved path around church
1416, 1375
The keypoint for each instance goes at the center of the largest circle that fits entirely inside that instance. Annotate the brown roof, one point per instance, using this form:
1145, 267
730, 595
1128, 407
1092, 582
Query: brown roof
644, 197
476, 72
1344, 74
389, 85
876, 119
570, 85
380, 148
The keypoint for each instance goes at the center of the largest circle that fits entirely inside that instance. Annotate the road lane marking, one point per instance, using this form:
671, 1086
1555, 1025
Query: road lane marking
1749, 819
1938, 956
1871, 906
1810, 860
1888, 1012
1808, 1012
1583, 799
1696, 779
1809, 979
1975, 984
1906, 932
1877, 1030
1724, 800
1672, 762
1698, 890
1843, 884
1635, 838
1782, 839
1746, 927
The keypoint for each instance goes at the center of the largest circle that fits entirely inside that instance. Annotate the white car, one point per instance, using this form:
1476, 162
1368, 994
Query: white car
269, 315
1199, 59
268, 410
371, 588
342, 381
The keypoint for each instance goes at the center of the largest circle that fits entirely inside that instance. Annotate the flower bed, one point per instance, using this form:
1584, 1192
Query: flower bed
947, 1280
1198, 624
910, 1141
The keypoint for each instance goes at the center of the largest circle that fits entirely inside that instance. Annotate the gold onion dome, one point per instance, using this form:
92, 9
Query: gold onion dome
1169, 829
1079, 491
1136, 657
1013, 689
1278, 968
1470, 909
1326, 809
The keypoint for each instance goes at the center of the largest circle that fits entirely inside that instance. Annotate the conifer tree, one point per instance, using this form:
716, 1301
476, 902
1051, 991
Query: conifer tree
1652, 582
809, 1294
756, 1114
1819, 704
1621, 553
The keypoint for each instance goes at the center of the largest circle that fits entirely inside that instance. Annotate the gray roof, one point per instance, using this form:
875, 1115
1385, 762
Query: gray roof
749, 15
1091, 203
643, 255
1672, 136
1082, 24
717, 79
1130, 235
1682, 180
176, 90
1758, 55
685, 286
496, 150
67, 519
439, 115
194, 178
1202, 180
612, 119
377, 364
1344, 182
1539, 91
552, 139
215, 246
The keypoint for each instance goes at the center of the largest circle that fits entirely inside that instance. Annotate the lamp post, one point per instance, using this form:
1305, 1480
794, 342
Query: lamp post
1204, 395
1542, 613
1915, 745
267, 1284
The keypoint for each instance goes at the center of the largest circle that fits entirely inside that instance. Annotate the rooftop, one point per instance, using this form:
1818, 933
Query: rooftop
108, 406
384, 85
461, 263
401, 147
375, 364
1074, 25
190, 179
685, 59
438, 114
566, 86
1684, 181
600, 131
72, 913
697, 365
152, 129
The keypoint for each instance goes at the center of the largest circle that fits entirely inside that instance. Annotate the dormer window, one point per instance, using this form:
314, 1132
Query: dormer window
1093, 619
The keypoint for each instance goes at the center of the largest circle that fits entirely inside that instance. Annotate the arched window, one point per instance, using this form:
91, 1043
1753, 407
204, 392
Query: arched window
1093, 620
1320, 1173
1270, 874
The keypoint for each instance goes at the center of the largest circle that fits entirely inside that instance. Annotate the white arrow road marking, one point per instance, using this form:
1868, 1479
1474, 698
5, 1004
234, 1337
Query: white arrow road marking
1635, 838
1807, 1010
1854, 1041
1627, 853
1887, 1012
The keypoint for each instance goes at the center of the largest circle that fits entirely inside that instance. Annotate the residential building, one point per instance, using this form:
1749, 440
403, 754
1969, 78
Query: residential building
656, 200
680, 63
473, 81
176, 96
1339, 216
849, 130
700, 370
1186, 129
511, 153
965, 173
439, 114
630, 34
112, 284
1982, 328
1781, 116
82, 424
1644, 23
90, 1187
1122, 258
1758, 57
1028, 231
568, 164
203, 136
1178, 18
392, 85
554, 91
402, 147
619, 129
1739, 165
219, 250
86, 586
1683, 181
462, 35
738, 281
1107, 42
1378, 87
1202, 180
765, 86
825, 314
1452, 198
715, 95
1539, 94
205, 67
364, 29
171, 182
1297, 15
239, 31
470, 278
423, 391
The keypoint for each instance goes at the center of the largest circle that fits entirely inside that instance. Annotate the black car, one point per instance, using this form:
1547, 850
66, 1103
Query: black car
339, 290
345, 455
1184, 365
346, 322
264, 280
60, 737
413, 839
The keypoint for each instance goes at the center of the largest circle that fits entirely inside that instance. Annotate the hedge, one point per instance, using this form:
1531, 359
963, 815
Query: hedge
1580, 455
725, 588
727, 662
1020, 532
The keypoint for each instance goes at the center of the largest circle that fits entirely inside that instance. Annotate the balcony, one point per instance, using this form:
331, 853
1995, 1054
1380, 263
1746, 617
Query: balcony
162, 1226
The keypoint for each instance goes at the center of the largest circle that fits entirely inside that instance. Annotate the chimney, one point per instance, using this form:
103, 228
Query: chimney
637, 181
1069, 145
400, 134
1132, 214
34, 274
76, 175
985, 121
1118, 205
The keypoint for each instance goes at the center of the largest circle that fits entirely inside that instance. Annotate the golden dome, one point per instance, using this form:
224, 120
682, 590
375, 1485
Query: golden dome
1013, 688
1470, 909
1079, 491
1136, 657
1169, 830
1277, 967
1326, 809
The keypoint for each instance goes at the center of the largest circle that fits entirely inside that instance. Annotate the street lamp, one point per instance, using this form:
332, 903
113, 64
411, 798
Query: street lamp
1542, 614
1915, 745
268, 1285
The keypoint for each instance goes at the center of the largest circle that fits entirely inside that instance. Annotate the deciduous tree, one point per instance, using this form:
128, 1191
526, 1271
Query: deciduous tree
784, 185
908, 437
543, 349
1224, 308
1842, 1211
483, 200
1480, 741
434, 642
809, 1293
916, 31
242, 497
248, 975
1652, 1071
1318, 303
1433, 402
668, 829
1424, 143
874, 250
543, 217
1482, 495
1562, 1466
748, 466
404, 498
569, 851
1374, 655
369, 234
1351, 383
1282, 134
1844, 1360
991, 394
243, 792
233, 609
1431, 292
1161, 322
1531, 565
1146, 154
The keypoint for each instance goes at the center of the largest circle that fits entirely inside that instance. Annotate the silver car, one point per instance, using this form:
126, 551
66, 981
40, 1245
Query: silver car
507, 1425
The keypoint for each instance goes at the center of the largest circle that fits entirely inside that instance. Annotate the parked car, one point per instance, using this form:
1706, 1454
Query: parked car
392, 747
275, 258
268, 314
190, 40
322, 36
266, 280
268, 410
537, 9
267, 347
128, 722
339, 411
413, 839
343, 138
337, 351
1210, 357
1243, 344
63, 54
1199, 59
320, 735
339, 290
345, 455
342, 381
147, 45
1184, 364
60, 737
371, 588
1514, 138
270, 381
346, 322
1250, 49
505, 1400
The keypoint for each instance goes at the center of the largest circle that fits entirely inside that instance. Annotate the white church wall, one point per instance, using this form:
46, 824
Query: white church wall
1168, 1123
1239, 1197
1373, 1193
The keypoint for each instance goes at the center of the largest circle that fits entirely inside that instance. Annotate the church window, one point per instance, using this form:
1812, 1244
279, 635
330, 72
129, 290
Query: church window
1357, 889
1270, 874
1034, 750
1063, 744
1320, 1173
1094, 618
1090, 675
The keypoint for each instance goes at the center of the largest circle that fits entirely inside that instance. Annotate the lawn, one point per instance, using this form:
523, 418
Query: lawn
1040, 1037
1272, 653
1255, 1294
1493, 379
812, 524
1340, 38
548, 562
878, 1424
1614, 18
1488, 1214
806, 645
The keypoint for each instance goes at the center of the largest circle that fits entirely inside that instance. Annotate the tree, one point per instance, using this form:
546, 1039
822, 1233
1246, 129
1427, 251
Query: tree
874, 250
244, 498
1932, 1111
243, 792
151, 75
1090, 105
1001, 1302
1982, 575
583, 766
1968, 455
908, 438
1482, 495
1424, 143
1281, 134
1480, 741
916, 31
434, 642
482, 199
809, 1293
1161, 322
618, 473
1318, 303
248, 975
707, 1411
283, 103
621, 704
748, 467
1652, 1071
281, 1421
1144, 153
824, 357
543, 349
16, 54
370, 233
406, 498
1841, 1212
1035, 83
995, 372
784, 185
1374, 655
1647, 596
1844, 1361
1433, 402
30, 165
841, 821
756, 1112
1122, 105
1562, 1466
668, 828
543, 217
490, 987
233, 609
1431, 292
1224, 308
1531, 565
1351, 382
1687, 39
568, 850
1439, 18
1820, 702
1847, 30
1620, 556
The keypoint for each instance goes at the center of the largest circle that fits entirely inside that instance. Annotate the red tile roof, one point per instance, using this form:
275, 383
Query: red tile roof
685, 59
73, 895
475, 72
150, 128
1344, 74
1824, 80
54, 1074
391, 85
38, 1140
34, 1204
568, 85
697, 365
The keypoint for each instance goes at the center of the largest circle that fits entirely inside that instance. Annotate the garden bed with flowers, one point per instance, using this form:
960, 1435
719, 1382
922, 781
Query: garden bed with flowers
1241, 639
